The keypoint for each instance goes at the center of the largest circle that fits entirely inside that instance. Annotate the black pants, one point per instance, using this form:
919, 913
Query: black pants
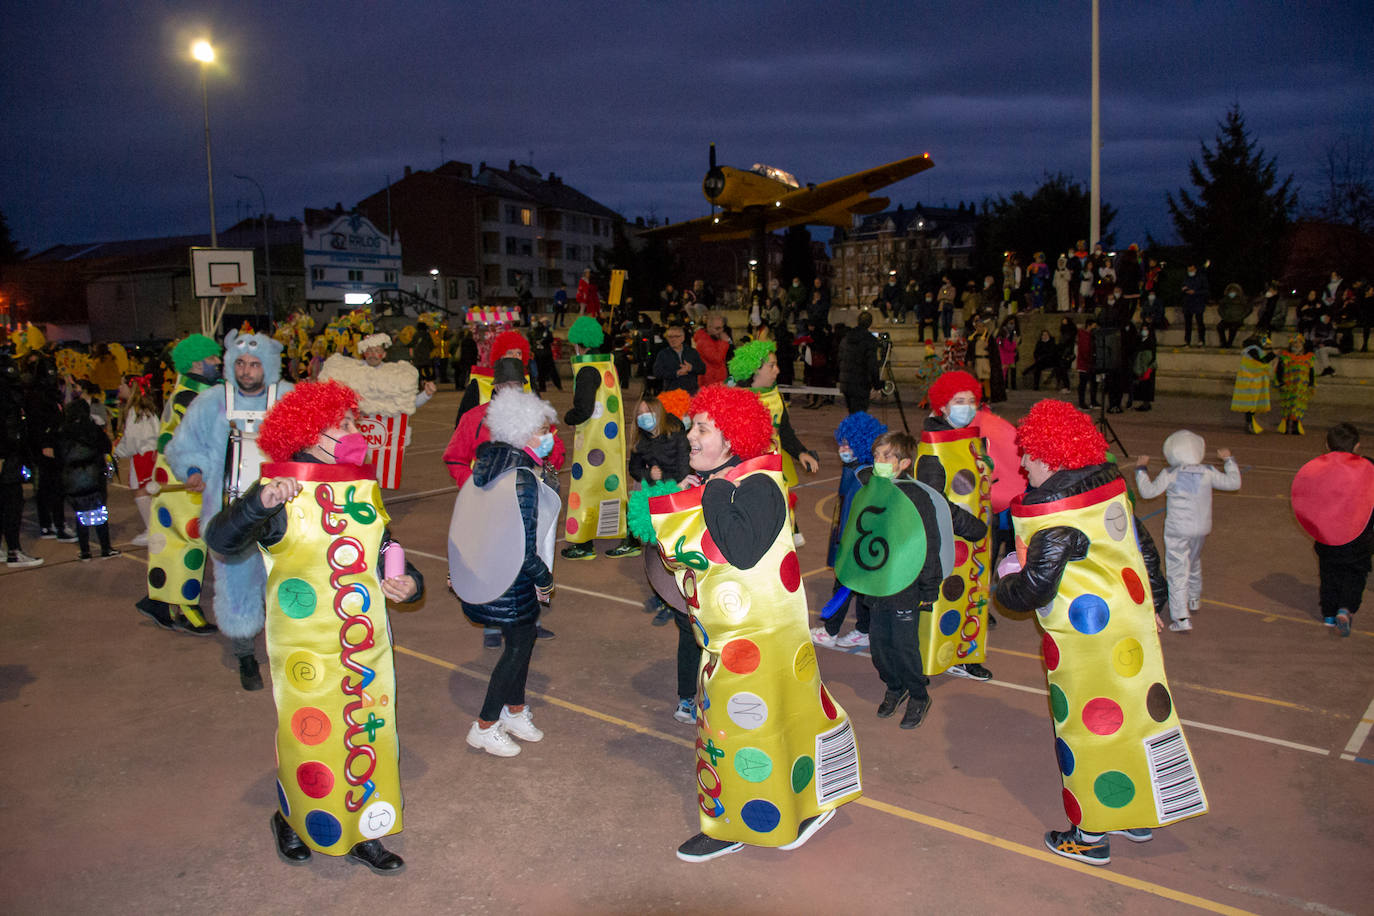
11, 508
1227, 330
855, 402
48, 496
934, 323
507, 684
894, 642
1087, 381
83, 537
862, 617
1189, 319
1342, 573
688, 657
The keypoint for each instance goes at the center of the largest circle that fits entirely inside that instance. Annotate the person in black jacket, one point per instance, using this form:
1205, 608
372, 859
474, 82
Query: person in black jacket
14, 458
858, 364
43, 406
84, 447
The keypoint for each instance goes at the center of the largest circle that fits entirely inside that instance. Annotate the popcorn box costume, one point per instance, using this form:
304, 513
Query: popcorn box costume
773, 747
1122, 753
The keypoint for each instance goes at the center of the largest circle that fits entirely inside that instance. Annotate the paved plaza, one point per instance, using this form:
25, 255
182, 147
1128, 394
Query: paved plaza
140, 777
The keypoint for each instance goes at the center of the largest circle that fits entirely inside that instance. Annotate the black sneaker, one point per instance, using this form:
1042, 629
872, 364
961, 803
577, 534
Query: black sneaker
65, 537
291, 849
186, 626
1135, 834
157, 612
47, 534
891, 700
542, 632
652, 604
701, 848
1071, 845
973, 671
664, 615
376, 857
585, 551
106, 554
249, 675
626, 548
915, 712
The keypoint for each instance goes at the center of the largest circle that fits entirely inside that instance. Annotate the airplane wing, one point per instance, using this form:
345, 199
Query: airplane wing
859, 185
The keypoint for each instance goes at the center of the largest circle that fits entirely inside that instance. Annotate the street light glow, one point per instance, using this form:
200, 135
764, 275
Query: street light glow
202, 52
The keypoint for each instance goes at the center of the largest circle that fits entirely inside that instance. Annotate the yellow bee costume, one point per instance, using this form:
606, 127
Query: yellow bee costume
1122, 753
329, 644
955, 631
597, 494
773, 747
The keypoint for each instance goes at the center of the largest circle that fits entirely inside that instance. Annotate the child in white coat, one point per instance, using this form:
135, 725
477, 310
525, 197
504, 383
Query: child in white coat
1189, 484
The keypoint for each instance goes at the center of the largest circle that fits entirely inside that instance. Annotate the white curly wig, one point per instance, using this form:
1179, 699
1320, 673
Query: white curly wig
514, 415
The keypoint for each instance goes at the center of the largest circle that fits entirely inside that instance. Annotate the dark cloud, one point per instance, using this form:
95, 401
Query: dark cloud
320, 102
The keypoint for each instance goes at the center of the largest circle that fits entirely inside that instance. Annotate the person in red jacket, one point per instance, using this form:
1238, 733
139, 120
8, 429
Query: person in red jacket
712, 344
587, 296
471, 431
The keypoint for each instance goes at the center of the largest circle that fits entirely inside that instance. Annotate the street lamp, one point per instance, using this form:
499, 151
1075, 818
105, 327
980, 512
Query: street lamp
202, 52
266, 249
434, 275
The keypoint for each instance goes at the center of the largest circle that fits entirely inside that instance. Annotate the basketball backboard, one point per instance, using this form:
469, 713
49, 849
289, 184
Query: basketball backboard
217, 272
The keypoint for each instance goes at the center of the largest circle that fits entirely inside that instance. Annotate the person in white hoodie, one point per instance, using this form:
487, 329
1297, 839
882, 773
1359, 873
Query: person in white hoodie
138, 445
1189, 484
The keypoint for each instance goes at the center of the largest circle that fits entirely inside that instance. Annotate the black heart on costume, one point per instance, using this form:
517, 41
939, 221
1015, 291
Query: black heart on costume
744, 519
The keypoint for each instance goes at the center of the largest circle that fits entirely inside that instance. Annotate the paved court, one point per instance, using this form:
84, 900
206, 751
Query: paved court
140, 777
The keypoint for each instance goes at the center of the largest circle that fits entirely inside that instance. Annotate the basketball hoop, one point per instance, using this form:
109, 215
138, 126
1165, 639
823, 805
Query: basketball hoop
229, 289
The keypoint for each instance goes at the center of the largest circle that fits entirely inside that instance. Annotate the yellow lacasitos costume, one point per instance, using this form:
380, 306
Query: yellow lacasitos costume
1122, 754
597, 493
773, 747
176, 549
955, 631
772, 399
329, 644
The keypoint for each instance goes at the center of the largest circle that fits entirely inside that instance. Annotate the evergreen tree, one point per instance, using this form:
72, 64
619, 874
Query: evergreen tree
10, 252
1050, 219
1240, 211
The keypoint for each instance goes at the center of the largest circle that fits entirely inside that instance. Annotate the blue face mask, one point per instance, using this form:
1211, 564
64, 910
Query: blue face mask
846, 455
545, 445
961, 415
646, 422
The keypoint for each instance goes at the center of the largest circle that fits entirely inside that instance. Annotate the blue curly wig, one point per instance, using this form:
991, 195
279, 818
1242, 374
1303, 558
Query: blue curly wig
859, 430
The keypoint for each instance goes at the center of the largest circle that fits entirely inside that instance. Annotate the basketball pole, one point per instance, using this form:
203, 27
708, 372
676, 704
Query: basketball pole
1095, 185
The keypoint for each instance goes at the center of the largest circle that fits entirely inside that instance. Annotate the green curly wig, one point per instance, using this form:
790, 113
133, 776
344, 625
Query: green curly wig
748, 359
586, 332
637, 513
192, 350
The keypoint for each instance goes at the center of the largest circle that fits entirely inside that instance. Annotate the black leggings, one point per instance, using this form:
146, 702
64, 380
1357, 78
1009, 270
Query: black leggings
895, 643
1341, 576
48, 497
83, 537
688, 657
11, 508
507, 684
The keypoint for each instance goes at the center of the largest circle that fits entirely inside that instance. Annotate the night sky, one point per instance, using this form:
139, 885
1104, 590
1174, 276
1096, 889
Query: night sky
321, 101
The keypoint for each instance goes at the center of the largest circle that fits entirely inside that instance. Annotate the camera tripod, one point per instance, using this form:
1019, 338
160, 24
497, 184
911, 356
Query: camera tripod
889, 386
1104, 426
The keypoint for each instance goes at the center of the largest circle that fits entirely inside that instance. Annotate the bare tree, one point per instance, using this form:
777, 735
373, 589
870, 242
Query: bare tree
1349, 173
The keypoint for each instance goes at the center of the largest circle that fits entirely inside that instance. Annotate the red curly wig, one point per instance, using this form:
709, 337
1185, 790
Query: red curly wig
295, 422
948, 384
510, 340
1060, 435
739, 415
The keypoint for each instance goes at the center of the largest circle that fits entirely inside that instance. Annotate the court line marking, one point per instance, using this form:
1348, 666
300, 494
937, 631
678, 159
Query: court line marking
988, 839
1273, 615
1361, 733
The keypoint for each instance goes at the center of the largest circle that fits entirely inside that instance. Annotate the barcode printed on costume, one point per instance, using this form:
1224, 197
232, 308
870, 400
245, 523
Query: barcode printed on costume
1178, 793
608, 518
837, 763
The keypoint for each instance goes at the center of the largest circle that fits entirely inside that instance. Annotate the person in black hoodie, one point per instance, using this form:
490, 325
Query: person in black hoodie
659, 453
858, 364
84, 447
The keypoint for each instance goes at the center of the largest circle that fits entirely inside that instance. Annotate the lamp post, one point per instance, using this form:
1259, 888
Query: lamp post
266, 248
434, 275
203, 52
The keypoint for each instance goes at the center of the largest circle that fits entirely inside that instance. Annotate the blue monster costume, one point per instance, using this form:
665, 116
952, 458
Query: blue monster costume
217, 435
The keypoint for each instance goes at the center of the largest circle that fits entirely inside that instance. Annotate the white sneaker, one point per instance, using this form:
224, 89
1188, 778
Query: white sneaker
1181, 626
822, 638
1193, 603
520, 724
139, 540
852, 640
798, 539
493, 740
21, 560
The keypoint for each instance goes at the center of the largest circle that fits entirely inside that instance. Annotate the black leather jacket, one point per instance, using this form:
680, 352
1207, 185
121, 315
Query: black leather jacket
1052, 549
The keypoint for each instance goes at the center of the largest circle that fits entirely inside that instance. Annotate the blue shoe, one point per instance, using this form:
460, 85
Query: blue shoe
1343, 623
1329, 621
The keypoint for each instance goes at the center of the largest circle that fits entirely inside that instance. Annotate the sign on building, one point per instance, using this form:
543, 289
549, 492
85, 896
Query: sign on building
349, 255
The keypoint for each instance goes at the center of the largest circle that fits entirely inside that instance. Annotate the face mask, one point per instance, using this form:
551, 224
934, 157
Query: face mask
545, 445
211, 373
350, 448
847, 455
961, 415
884, 469
647, 422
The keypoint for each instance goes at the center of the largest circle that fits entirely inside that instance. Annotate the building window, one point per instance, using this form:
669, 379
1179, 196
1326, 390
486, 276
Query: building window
491, 274
491, 211
520, 216
317, 274
491, 242
512, 277
526, 216
452, 288
510, 244
596, 226
355, 276
574, 252
389, 276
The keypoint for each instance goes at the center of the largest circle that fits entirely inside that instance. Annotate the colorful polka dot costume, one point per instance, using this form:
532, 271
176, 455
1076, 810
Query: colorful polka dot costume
597, 494
176, 551
772, 399
1122, 754
329, 644
955, 632
773, 747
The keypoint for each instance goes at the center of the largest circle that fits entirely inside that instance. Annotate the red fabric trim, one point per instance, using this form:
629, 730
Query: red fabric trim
485, 371
319, 473
949, 435
1091, 497
686, 499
